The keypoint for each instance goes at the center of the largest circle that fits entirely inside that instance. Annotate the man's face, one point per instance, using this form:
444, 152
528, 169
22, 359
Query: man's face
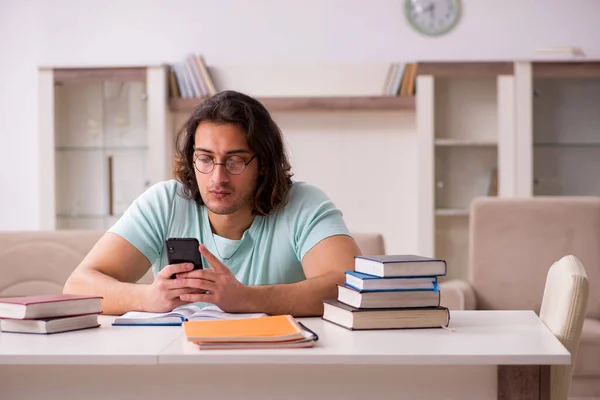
222, 191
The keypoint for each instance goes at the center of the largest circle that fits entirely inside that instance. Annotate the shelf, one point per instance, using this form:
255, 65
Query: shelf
452, 212
97, 148
395, 103
90, 75
556, 144
566, 69
464, 142
465, 69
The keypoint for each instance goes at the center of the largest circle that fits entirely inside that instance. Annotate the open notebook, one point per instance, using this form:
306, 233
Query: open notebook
188, 312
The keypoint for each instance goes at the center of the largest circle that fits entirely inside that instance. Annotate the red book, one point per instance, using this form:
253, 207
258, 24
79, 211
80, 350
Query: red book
48, 306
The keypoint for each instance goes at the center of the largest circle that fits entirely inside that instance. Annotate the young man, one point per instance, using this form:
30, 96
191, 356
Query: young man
273, 245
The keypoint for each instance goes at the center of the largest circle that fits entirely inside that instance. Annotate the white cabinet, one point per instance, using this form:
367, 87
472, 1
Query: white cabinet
532, 125
103, 141
465, 121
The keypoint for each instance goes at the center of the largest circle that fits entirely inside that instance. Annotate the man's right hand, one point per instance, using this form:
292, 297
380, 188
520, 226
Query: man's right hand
163, 294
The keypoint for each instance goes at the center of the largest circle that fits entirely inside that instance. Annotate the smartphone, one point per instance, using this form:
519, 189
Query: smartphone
183, 250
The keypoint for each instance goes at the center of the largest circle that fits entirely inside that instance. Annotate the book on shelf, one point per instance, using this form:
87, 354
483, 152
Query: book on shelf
408, 87
48, 306
400, 80
400, 265
274, 331
367, 282
393, 80
388, 299
188, 312
50, 325
190, 78
354, 318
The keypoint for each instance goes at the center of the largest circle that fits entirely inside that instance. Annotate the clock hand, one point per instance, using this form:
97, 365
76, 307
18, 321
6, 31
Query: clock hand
432, 9
429, 8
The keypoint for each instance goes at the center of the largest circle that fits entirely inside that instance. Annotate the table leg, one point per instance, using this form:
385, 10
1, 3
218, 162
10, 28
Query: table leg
523, 382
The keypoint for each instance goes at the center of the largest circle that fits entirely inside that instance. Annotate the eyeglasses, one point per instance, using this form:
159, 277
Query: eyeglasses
235, 165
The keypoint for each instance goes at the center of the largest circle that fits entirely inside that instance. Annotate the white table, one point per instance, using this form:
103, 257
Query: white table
475, 360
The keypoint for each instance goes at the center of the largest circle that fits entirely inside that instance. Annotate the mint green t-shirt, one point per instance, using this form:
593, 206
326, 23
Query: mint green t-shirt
270, 251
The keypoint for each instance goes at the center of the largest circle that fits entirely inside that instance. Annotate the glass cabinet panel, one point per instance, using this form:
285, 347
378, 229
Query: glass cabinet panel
101, 150
566, 132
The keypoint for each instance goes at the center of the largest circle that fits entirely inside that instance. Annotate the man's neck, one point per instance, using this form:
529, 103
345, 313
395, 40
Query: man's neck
231, 226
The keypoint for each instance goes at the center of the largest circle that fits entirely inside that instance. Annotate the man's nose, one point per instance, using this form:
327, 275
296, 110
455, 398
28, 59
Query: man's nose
220, 174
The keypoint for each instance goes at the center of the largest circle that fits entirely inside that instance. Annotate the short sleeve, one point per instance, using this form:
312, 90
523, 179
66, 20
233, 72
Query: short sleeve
311, 217
145, 222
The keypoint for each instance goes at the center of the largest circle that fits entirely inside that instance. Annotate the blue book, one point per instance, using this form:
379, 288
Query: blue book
404, 265
371, 283
388, 299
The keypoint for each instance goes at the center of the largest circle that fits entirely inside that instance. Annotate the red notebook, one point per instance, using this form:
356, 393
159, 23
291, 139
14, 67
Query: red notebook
47, 306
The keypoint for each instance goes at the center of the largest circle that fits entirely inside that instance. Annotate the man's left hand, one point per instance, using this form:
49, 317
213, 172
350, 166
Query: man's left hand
223, 289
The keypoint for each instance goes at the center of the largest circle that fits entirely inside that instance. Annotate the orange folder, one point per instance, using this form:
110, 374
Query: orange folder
275, 328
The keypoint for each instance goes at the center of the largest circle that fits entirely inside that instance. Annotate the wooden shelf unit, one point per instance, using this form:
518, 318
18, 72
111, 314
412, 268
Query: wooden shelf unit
340, 103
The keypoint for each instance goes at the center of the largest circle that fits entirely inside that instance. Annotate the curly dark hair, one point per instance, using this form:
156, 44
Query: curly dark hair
264, 138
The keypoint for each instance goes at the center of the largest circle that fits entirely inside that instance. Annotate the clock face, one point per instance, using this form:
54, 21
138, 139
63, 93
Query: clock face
433, 17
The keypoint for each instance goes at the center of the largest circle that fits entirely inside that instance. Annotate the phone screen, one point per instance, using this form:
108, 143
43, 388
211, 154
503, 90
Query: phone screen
183, 250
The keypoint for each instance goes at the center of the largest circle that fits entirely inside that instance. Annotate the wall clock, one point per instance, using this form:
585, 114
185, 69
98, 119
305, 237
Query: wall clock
433, 17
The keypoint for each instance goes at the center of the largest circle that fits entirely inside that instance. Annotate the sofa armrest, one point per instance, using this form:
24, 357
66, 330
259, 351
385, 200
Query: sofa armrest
457, 295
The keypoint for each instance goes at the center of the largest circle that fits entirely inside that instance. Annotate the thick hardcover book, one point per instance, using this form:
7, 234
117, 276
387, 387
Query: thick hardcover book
384, 318
403, 265
48, 306
388, 299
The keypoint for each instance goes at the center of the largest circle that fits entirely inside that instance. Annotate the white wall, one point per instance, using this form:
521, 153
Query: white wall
268, 33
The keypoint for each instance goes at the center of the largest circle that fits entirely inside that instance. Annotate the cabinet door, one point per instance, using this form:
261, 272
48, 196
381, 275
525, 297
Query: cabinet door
101, 150
80, 159
126, 143
566, 133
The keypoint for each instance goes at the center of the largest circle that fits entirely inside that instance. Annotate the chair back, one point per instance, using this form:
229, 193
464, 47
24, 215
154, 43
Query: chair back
563, 310
513, 242
369, 243
39, 262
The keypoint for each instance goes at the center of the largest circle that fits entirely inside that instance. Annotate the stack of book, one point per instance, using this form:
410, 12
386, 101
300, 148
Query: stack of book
49, 313
390, 292
269, 332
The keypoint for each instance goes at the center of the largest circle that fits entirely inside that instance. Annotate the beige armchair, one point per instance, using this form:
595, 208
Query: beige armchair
513, 242
39, 262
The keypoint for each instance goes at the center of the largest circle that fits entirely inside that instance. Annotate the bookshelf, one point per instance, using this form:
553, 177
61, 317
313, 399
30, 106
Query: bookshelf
316, 103
466, 136
103, 141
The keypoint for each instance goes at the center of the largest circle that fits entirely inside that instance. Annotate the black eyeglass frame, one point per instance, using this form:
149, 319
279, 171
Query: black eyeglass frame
223, 164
